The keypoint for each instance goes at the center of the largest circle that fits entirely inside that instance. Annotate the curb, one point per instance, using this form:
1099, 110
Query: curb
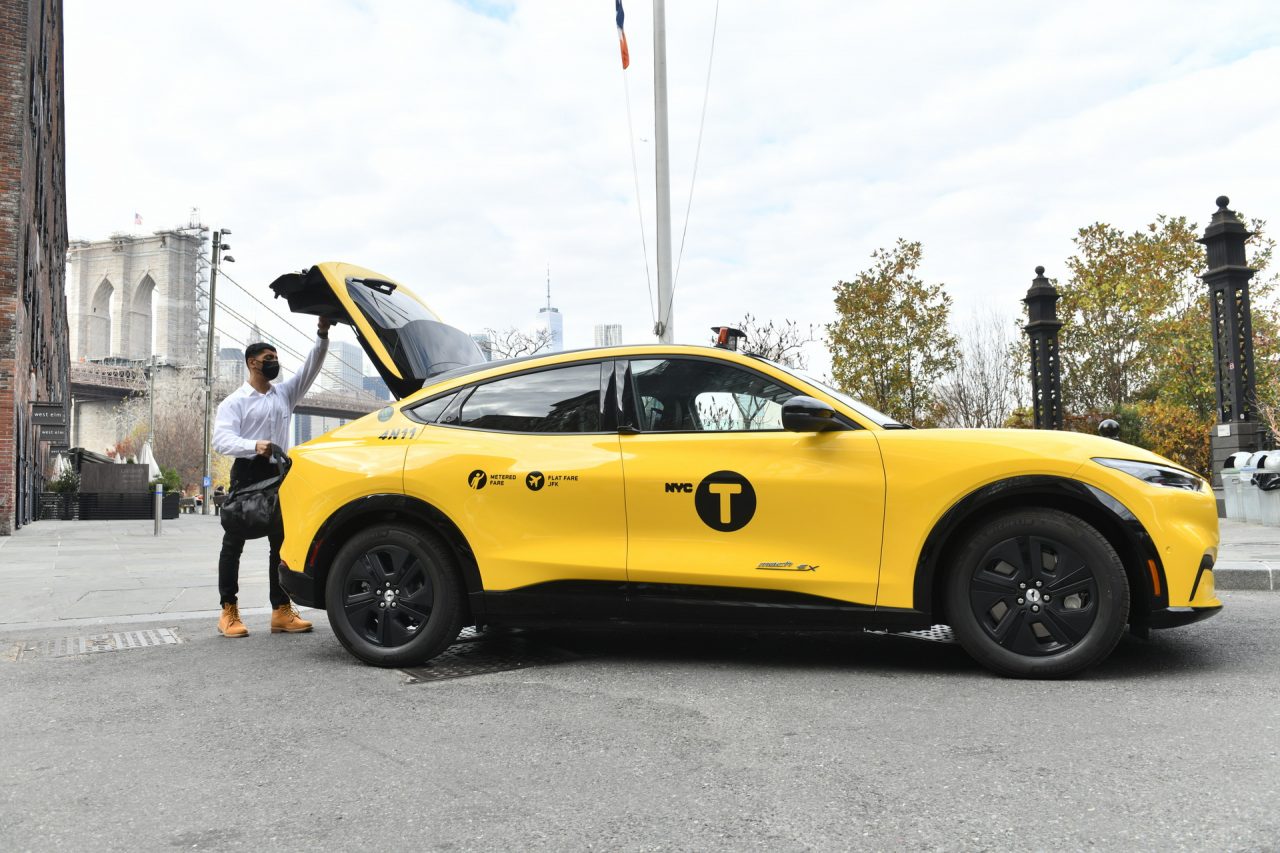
1248, 575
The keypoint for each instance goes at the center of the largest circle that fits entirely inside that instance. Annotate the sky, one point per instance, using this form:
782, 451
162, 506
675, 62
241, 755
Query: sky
461, 148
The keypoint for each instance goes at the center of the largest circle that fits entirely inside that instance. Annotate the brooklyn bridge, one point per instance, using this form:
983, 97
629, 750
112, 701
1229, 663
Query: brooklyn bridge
112, 383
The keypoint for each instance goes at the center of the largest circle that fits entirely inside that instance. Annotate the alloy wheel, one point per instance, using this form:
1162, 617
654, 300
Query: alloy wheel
1034, 596
388, 596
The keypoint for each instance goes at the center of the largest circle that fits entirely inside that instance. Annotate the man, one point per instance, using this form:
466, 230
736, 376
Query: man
253, 419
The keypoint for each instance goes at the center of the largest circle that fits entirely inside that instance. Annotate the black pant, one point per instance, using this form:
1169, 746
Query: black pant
245, 471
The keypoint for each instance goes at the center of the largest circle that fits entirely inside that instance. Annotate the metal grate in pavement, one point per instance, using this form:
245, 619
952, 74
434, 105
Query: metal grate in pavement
477, 654
933, 634
69, 646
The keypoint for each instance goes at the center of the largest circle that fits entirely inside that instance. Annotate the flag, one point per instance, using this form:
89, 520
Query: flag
137, 219
622, 37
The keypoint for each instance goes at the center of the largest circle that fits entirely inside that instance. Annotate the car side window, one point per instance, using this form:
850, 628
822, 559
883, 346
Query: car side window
563, 399
695, 395
430, 410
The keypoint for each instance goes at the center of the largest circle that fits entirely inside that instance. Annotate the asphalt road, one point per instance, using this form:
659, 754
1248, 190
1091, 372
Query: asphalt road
671, 743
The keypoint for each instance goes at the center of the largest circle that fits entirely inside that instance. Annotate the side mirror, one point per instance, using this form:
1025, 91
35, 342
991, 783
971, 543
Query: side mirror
805, 414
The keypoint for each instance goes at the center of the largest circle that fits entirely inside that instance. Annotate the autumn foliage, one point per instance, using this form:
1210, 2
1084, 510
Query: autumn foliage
1136, 343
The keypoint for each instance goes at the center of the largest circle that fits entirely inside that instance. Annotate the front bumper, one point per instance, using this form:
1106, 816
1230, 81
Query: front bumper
301, 587
1175, 617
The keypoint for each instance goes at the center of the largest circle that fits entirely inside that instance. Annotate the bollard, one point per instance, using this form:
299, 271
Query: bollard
159, 505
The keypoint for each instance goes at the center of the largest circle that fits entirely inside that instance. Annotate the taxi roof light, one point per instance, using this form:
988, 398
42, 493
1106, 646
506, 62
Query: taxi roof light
727, 337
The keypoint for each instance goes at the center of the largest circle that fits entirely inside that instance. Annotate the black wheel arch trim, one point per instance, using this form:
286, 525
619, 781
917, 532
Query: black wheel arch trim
383, 508
1112, 518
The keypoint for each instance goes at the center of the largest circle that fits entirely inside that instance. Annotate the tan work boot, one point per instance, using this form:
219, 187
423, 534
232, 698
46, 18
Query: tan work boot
230, 625
285, 619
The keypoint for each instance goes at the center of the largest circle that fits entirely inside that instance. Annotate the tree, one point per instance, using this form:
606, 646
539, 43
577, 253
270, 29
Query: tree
513, 342
170, 479
1138, 335
890, 342
980, 390
1120, 287
1176, 432
128, 448
783, 341
66, 483
1136, 318
178, 437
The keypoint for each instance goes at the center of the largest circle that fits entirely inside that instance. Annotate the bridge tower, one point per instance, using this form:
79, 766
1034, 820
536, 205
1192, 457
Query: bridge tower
130, 298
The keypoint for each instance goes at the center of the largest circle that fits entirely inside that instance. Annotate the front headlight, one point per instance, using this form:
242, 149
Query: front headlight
1156, 475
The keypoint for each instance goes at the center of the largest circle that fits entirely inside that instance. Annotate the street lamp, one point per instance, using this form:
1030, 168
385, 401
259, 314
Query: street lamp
149, 370
218, 248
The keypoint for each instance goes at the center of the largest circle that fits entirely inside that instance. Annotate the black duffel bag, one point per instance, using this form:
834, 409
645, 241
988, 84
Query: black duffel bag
250, 510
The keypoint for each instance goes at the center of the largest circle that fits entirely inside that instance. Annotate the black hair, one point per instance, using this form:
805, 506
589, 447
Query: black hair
256, 349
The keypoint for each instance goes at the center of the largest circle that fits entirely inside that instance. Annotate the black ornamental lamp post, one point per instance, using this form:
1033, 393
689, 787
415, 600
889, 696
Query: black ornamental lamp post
1046, 370
1227, 274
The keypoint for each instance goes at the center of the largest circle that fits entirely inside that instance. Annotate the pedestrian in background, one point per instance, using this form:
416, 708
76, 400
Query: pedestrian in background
252, 423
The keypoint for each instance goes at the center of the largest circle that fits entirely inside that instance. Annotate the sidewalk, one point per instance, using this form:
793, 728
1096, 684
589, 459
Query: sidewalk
96, 572
110, 572
1248, 558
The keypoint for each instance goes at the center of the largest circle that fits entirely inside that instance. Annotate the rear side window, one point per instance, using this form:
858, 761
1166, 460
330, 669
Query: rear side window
563, 399
429, 411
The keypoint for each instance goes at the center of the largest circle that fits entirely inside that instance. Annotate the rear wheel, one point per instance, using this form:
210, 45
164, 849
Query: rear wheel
393, 596
1038, 594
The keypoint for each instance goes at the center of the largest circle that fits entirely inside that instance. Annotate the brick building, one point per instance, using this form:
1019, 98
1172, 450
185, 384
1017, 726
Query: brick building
33, 246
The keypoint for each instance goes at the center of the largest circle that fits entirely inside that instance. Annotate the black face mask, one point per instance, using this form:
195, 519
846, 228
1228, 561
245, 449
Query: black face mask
270, 369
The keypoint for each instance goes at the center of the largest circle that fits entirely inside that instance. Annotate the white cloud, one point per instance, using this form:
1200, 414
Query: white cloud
462, 147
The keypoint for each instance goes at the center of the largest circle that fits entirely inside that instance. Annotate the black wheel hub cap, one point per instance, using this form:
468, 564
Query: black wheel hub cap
387, 597
1034, 596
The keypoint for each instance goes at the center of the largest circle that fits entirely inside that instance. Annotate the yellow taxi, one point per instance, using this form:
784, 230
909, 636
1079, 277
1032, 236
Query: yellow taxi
698, 486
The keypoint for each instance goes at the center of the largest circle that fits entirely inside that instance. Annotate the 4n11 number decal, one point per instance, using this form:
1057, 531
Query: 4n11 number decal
405, 432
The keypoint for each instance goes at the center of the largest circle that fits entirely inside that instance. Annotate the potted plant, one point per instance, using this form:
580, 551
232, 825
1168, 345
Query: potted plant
67, 486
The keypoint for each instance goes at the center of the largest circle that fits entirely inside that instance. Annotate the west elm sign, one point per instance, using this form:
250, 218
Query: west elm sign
48, 414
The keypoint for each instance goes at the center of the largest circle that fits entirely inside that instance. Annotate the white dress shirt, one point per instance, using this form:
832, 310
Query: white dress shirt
247, 417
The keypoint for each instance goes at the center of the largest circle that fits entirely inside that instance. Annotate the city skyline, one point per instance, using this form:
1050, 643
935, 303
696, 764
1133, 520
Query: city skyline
608, 334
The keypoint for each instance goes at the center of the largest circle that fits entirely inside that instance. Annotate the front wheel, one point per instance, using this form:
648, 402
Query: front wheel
1038, 594
393, 596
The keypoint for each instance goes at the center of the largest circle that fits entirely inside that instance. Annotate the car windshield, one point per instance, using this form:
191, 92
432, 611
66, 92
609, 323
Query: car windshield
420, 345
879, 418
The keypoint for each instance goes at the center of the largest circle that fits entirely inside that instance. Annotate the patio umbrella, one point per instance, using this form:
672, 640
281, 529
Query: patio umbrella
146, 457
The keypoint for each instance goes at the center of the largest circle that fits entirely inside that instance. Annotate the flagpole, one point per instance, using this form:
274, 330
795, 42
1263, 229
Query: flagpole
665, 326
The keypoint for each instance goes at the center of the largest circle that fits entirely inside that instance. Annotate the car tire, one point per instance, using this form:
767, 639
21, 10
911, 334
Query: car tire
1037, 593
394, 597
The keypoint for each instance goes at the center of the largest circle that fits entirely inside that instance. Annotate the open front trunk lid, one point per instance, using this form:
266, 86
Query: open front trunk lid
404, 338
